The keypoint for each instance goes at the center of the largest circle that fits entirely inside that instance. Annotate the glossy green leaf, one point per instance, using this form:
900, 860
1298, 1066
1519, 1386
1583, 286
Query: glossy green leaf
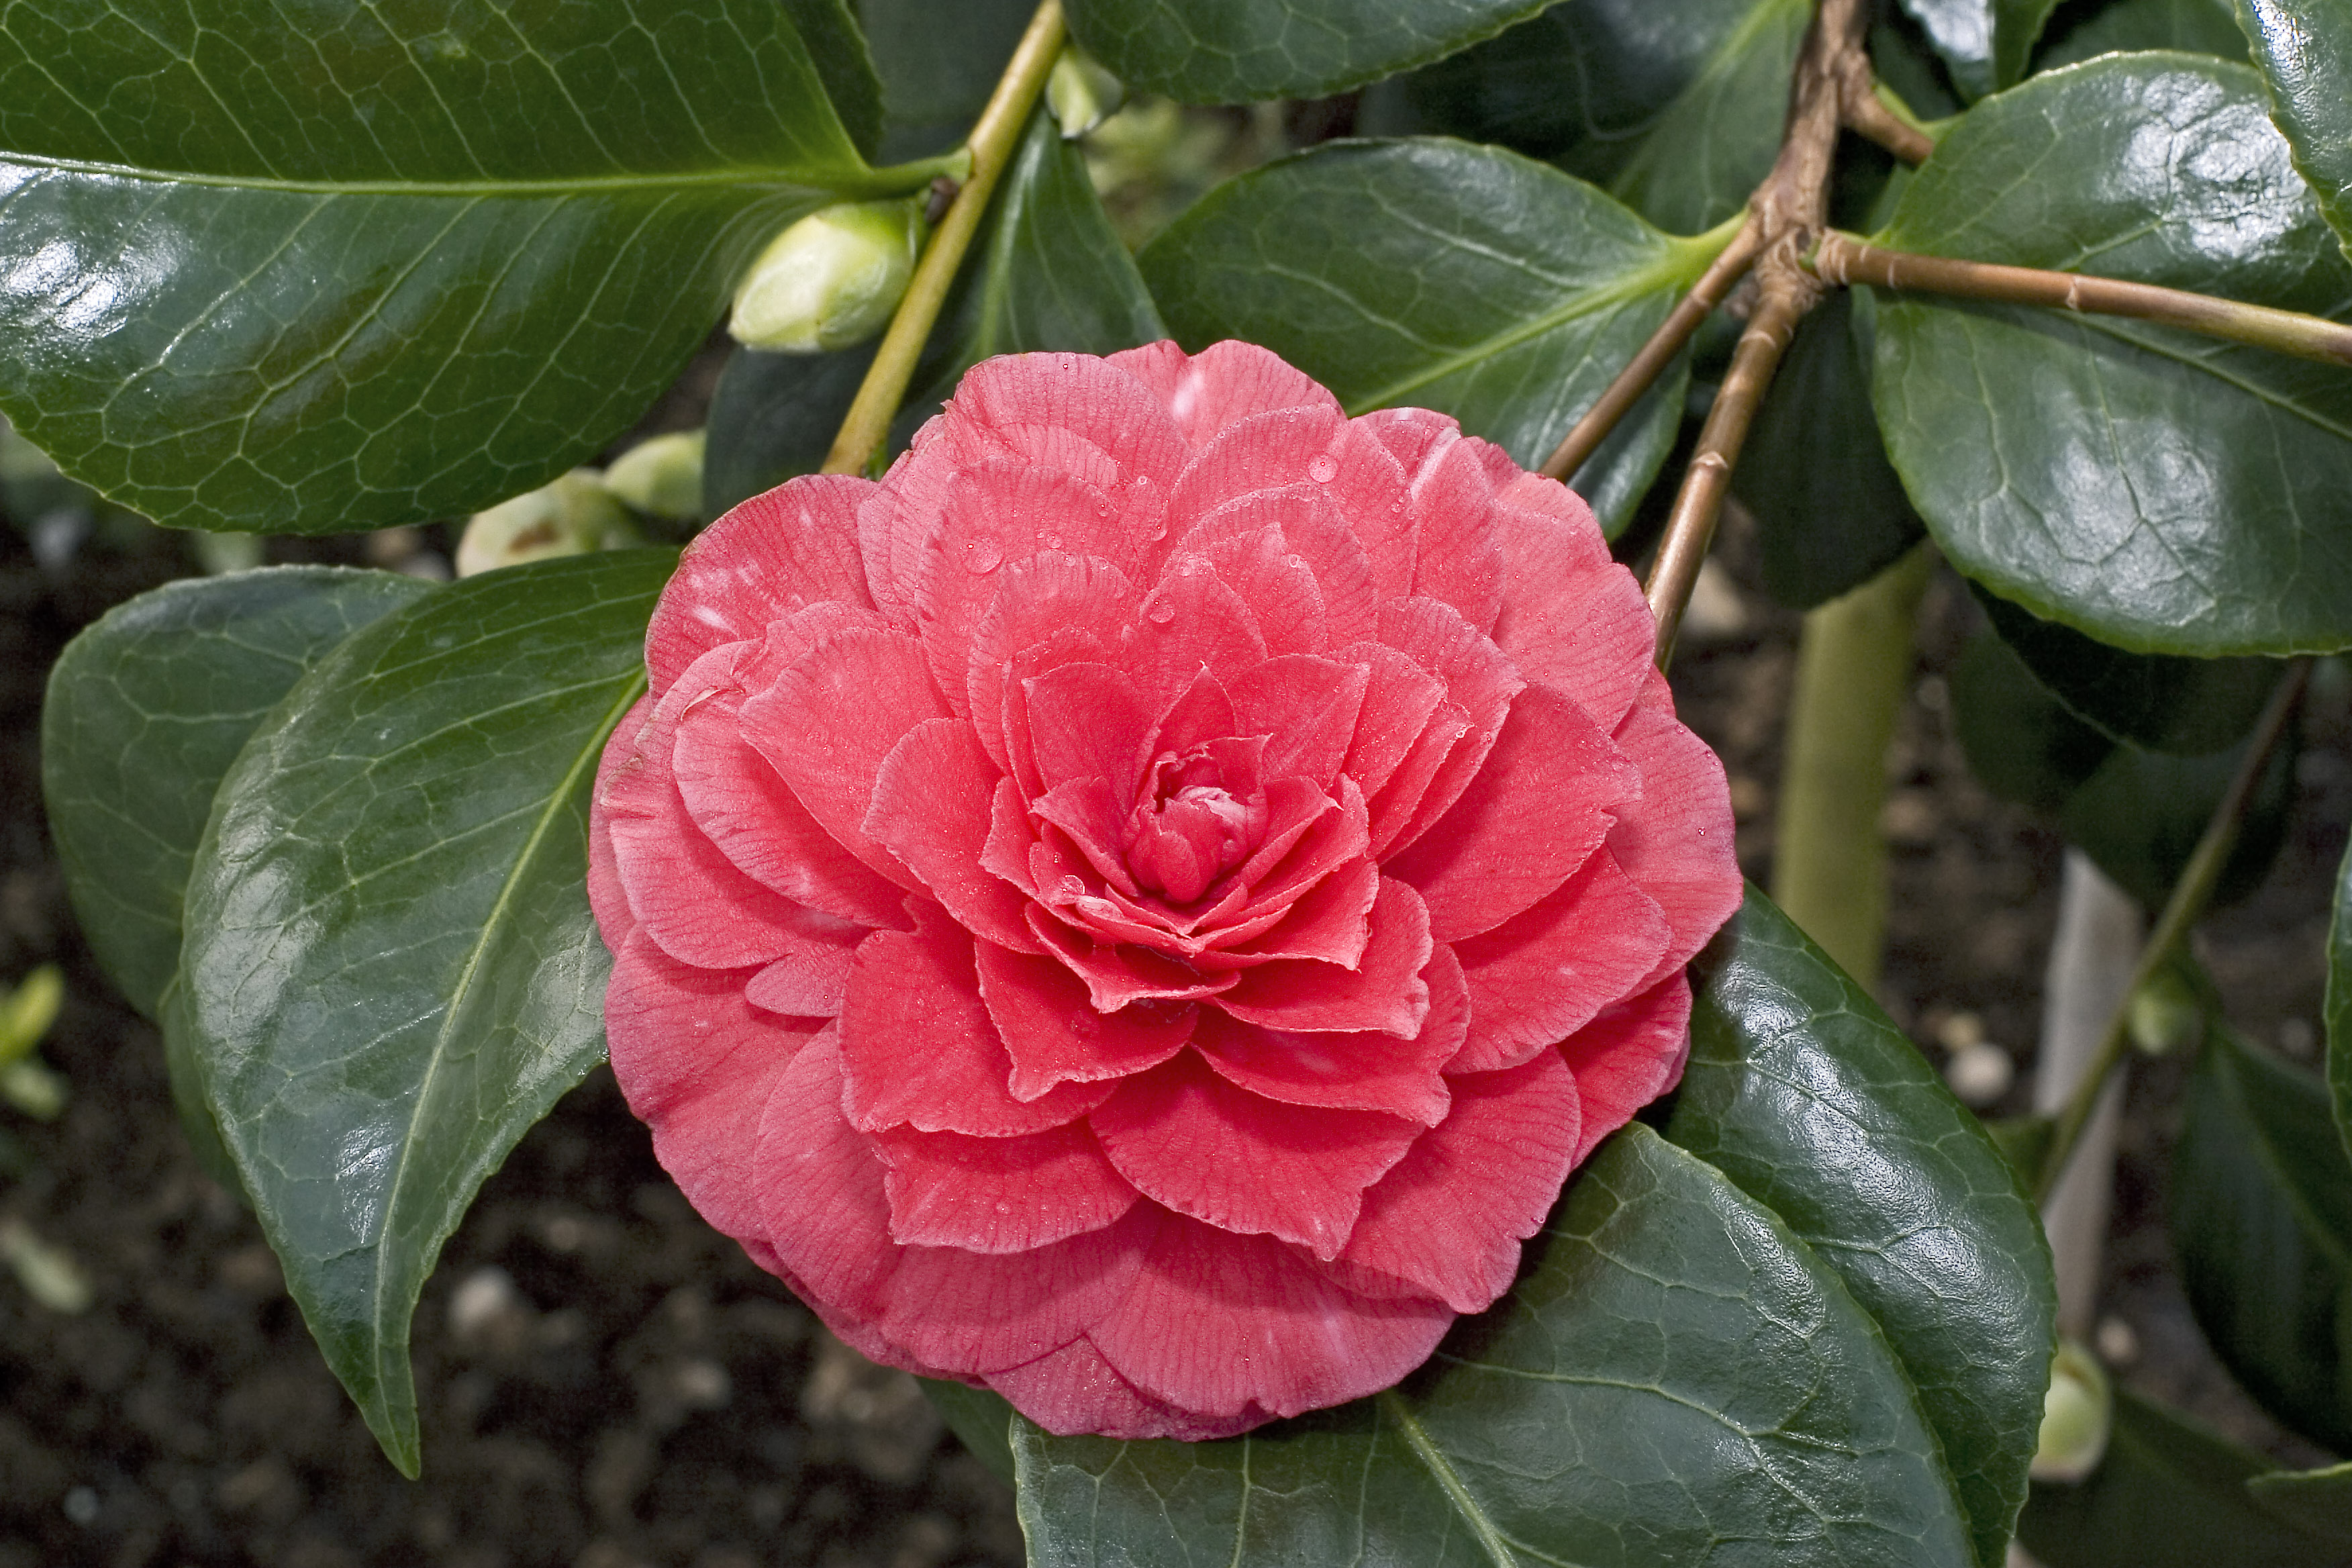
1046, 271
1590, 84
1961, 33
2169, 1494
2140, 813
146, 709
2339, 1001
2199, 26
1806, 1095
2016, 27
829, 30
981, 1419
1676, 1373
1238, 51
391, 965
1437, 275
1776, 1338
2167, 704
331, 269
2160, 490
2304, 50
2261, 1218
197, 1122
937, 65
1831, 513
2317, 1500
2022, 742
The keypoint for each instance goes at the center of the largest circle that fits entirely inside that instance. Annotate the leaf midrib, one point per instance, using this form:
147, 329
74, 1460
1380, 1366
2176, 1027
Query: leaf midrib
847, 180
1489, 1535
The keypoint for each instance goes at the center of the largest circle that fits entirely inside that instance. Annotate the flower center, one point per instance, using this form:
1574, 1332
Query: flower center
1189, 829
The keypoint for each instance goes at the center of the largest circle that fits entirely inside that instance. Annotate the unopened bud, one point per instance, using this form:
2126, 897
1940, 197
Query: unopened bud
570, 516
2077, 1412
661, 478
830, 281
28, 1012
1082, 94
2165, 1014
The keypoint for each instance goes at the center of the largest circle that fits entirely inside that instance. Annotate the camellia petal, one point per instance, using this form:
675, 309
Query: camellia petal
1142, 908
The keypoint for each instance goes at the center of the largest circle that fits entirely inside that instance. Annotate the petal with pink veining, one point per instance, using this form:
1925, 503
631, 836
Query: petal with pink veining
1630, 1055
1676, 844
1116, 976
998, 1195
1199, 1144
1572, 618
971, 1312
1308, 704
1220, 385
817, 1183
1191, 621
1264, 451
1278, 587
1384, 992
931, 804
1076, 604
811, 978
1089, 721
1541, 977
1478, 679
1054, 1033
793, 546
1074, 1390
1346, 1071
607, 899
1455, 558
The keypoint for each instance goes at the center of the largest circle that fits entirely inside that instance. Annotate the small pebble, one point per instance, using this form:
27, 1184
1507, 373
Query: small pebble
2296, 1037
1979, 1074
81, 1505
1959, 1031
482, 1300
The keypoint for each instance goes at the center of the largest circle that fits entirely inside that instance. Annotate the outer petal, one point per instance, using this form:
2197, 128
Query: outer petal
1199, 1145
1074, 1390
605, 899
1449, 1219
999, 1194
1544, 974
793, 546
818, 1185
1571, 617
1455, 558
1267, 1330
1676, 844
1630, 1055
971, 1312
1220, 385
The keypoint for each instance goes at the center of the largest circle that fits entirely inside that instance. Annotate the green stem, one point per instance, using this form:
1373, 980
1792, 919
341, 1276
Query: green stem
1829, 860
993, 137
2198, 879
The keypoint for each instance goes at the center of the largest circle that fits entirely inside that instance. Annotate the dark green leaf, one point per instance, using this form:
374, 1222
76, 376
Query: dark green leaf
2021, 743
2079, 32
2304, 50
1961, 32
1437, 275
981, 1419
2025, 1142
2261, 1216
2016, 27
146, 709
1805, 1095
2339, 1001
1830, 511
2317, 1500
2140, 813
2159, 491
1592, 83
391, 965
1675, 1373
939, 64
308, 271
1237, 51
197, 1122
2169, 1494
1046, 271
2167, 704
829, 31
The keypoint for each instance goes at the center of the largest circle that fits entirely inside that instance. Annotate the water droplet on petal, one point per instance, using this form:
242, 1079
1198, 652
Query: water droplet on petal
1071, 888
1322, 469
1053, 541
982, 556
1160, 613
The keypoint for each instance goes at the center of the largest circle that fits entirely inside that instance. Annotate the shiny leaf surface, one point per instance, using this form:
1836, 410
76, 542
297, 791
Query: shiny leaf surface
2339, 1003
326, 271
2159, 491
2304, 50
1806, 1095
1237, 51
391, 965
2199, 26
2022, 742
937, 65
2140, 813
1961, 33
145, 711
1437, 275
2262, 1218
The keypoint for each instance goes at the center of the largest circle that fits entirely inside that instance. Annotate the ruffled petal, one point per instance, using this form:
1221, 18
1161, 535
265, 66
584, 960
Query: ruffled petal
974, 1313
998, 1195
1542, 975
1220, 386
1385, 991
1054, 1033
1359, 1072
932, 800
793, 546
1074, 1390
1626, 1057
1676, 844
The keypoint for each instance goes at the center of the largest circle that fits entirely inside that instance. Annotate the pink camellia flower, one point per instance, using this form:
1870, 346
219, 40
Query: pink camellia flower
1143, 908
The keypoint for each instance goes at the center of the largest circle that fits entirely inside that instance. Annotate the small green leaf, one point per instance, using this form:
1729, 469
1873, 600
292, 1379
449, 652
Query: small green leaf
2016, 27
1238, 51
2166, 704
2304, 50
1046, 271
2261, 1216
1675, 1372
2141, 812
2339, 1001
2022, 742
391, 965
2317, 1500
1715, 140
1433, 274
937, 64
1831, 513
981, 1419
146, 709
318, 271
2199, 26
2169, 1494
2159, 491
1810, 1098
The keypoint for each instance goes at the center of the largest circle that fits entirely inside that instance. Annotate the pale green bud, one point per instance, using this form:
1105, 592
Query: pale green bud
661, 478
48, 1274
2165, 1014
1082, 94
2077, 1412
830, 281
27, 1012
570, 516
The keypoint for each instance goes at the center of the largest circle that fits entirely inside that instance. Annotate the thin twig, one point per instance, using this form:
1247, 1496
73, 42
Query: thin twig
1844, 260
993, 136
1730, 264
2181, 910
1866, 115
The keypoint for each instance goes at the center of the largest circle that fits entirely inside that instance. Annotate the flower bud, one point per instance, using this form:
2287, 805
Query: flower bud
2077, 1411
2165, 1014
571, 516
1082, 94
830, 281
27, 1012
661, 478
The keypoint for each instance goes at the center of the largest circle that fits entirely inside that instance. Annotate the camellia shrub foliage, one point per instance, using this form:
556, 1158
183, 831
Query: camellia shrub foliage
1275, 782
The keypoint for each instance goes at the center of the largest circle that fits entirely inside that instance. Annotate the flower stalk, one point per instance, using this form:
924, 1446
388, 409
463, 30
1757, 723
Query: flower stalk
993, 138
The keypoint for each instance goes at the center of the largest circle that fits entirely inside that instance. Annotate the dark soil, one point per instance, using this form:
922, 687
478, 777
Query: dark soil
606, 1382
